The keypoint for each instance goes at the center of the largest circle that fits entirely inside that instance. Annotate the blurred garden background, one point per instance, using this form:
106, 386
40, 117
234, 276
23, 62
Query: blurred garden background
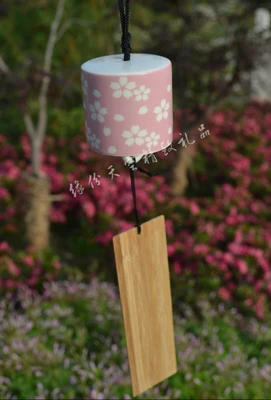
61, 327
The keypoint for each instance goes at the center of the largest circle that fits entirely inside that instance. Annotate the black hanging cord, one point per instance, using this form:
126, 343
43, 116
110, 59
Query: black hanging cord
132, 176
124, 9
147, 172
134, 199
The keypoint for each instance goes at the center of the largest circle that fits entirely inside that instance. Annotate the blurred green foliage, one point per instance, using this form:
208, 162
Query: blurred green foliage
209, 44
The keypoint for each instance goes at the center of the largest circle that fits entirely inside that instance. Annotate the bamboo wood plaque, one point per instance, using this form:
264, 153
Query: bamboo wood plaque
144, 284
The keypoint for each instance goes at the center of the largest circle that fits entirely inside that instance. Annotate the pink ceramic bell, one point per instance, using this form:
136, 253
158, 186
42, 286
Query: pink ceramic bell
128, 104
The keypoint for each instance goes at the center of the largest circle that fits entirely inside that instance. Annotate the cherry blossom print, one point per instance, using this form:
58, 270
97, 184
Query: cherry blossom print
128, 105
88, 132
134, 136
142, 93
152, 140
162, 110
97, 112
123, 88
107, 131
96, 93
84, 84
94, 141
118, 117
143, 110
112, 150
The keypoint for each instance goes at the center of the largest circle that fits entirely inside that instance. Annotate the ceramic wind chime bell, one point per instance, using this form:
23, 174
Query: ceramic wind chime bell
128, 104
128, 113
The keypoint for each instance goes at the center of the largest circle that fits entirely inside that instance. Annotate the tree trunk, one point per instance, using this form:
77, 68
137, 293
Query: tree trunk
38, 198
180, 171
36, 156
37, 215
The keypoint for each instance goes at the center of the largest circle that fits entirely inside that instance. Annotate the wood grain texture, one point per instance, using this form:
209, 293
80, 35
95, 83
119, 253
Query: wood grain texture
143, 276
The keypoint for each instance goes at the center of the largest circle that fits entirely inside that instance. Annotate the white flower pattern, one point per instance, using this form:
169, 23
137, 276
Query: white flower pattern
152, 140
88, 132
94, 141
112, 149
96, 93
118, 117
143, 110
123, 88
97, 112
142, 93
107, 131
134, 136
162, 110
84, 83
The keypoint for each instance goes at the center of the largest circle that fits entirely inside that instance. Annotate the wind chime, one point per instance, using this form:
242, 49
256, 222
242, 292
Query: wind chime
128, 107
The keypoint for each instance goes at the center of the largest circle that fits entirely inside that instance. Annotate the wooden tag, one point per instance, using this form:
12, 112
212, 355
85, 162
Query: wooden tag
143, 277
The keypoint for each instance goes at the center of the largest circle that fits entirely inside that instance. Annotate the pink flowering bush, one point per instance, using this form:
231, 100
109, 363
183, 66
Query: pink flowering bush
226, 235
89, 219
219, 233
26, 268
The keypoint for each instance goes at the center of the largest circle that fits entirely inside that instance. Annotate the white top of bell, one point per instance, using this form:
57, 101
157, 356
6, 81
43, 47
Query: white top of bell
114, 64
